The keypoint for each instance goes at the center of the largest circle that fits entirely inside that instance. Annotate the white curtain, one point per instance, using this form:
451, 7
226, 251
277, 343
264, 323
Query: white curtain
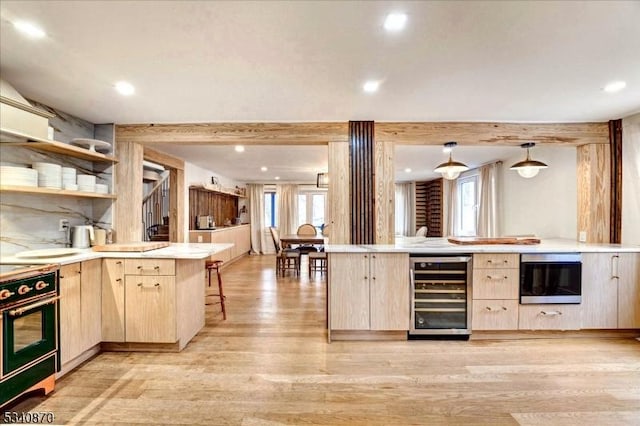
256, 214
405, 209
450, 207
488, 220
287, 195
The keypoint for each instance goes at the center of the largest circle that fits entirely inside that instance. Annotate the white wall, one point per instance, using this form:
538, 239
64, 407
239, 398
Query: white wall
195, 175
631, 180
545, 205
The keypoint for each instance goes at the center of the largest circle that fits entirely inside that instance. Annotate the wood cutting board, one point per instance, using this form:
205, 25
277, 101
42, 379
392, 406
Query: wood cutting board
496, 240
132, 247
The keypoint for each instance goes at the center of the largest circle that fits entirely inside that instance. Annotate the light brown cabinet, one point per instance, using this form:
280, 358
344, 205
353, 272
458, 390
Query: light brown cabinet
610, 290
80, 308
147, 301
549, 317
369, 291
239, 236
495, 291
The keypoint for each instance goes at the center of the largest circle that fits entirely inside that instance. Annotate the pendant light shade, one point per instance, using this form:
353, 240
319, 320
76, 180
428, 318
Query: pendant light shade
451, 169
528, 168
322, 181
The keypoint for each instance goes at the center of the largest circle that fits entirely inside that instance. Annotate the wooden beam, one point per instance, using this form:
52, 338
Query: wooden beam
338, 195
594, 192
319, 133
492, 134
128, 186
163, 159
385, 191
176, 206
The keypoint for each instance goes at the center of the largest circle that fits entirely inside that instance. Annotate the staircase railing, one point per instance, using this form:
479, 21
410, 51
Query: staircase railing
155, 206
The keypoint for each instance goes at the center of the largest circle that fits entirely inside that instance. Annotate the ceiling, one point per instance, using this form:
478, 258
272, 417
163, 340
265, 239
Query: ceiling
209, 61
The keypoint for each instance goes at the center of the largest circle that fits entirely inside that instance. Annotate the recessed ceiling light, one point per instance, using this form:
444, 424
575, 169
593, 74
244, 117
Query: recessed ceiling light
395, 22
371, 86
615, 86
29, 29
263, 168
277, 178
124, 88
407, 170
239, 148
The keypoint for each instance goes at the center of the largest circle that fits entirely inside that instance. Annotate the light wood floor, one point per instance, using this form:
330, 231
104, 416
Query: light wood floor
269, 364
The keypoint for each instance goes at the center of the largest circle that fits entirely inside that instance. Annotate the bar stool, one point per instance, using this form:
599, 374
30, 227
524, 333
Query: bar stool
211, 265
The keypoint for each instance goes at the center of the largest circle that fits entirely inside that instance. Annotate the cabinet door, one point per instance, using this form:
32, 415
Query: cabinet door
219, 237
150, 304
628, 271
599, 291
549, 317
113, 300
70, 326
348, 291
91, 303
244, 239
389, 292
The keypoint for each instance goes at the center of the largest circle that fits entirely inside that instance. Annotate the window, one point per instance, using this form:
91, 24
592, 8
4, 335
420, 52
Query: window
270, 209
468, 205
311, 208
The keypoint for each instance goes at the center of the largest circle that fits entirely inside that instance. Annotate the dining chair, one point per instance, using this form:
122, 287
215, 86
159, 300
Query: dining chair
306, 229
422, 232
286, 259
317, 261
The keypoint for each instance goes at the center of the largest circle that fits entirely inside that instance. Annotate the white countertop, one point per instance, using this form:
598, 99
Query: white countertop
219, 228
441, 245
174, 251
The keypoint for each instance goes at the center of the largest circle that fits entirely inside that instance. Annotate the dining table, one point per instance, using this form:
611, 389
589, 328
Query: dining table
288, 240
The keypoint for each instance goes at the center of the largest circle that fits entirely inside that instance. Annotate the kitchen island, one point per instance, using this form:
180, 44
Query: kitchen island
369, 289
129, 301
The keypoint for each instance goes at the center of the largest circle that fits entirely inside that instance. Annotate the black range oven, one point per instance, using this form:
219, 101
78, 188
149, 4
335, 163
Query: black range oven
29, 322
551, 278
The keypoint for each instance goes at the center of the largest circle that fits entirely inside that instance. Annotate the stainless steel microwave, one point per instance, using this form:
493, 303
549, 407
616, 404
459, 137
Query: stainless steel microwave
551, 278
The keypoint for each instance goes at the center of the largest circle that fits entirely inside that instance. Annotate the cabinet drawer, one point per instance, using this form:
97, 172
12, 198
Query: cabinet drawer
495, 283
496, 260
549, 317
150, 267
495, 315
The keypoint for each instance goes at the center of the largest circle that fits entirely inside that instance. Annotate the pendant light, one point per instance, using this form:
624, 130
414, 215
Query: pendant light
451, 169
528, 168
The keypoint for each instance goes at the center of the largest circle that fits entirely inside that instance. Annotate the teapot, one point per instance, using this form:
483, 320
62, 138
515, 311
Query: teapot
82, 236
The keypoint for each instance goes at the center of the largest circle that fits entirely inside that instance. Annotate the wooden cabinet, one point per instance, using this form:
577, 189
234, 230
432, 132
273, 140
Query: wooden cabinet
239, 236
113, 300
610, 290
369, 291
147, 301
150, 309
80, 308
495, 291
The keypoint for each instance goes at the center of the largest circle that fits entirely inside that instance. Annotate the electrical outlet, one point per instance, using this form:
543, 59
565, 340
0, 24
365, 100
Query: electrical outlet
64, 225
582, 237
199, 238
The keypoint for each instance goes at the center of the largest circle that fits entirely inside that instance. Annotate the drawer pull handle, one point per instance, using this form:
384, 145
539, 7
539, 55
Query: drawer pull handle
490, 309
550, 313
496, 277
119, 262
156, 285
118, 279
41, 285
365, 277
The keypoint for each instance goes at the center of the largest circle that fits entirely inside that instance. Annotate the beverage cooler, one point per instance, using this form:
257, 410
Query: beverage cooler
440, 295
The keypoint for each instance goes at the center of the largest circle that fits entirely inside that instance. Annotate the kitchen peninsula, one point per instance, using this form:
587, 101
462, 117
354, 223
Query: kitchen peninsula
370, 290
151, 300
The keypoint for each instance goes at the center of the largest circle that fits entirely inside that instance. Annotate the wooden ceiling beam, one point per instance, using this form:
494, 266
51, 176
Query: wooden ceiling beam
492, 134
401, 133
320, 133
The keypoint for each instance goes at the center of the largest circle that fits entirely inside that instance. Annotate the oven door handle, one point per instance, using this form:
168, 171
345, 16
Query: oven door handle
19, 311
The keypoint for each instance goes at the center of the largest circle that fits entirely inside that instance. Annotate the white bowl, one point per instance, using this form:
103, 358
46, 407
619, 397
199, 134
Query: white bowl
70, 186
86, 180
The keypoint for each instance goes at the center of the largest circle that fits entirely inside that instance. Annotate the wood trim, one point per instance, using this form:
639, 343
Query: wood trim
615, 145
140, 347
492, 134
384, 185
552, 334
176, 206
367, 335
593, 192
162, 158
313, 133
338, 195
362, 166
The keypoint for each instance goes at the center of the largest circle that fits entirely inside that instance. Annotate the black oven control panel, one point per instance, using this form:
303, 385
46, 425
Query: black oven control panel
26, 288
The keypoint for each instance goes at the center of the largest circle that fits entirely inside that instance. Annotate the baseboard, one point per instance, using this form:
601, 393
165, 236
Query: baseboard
553, 334
367, 335
83, 357
140, 347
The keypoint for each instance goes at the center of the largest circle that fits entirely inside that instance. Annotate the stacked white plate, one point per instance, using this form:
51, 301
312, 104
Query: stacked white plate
18, 176
86, 183
68, 177
49, 175
102, 189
